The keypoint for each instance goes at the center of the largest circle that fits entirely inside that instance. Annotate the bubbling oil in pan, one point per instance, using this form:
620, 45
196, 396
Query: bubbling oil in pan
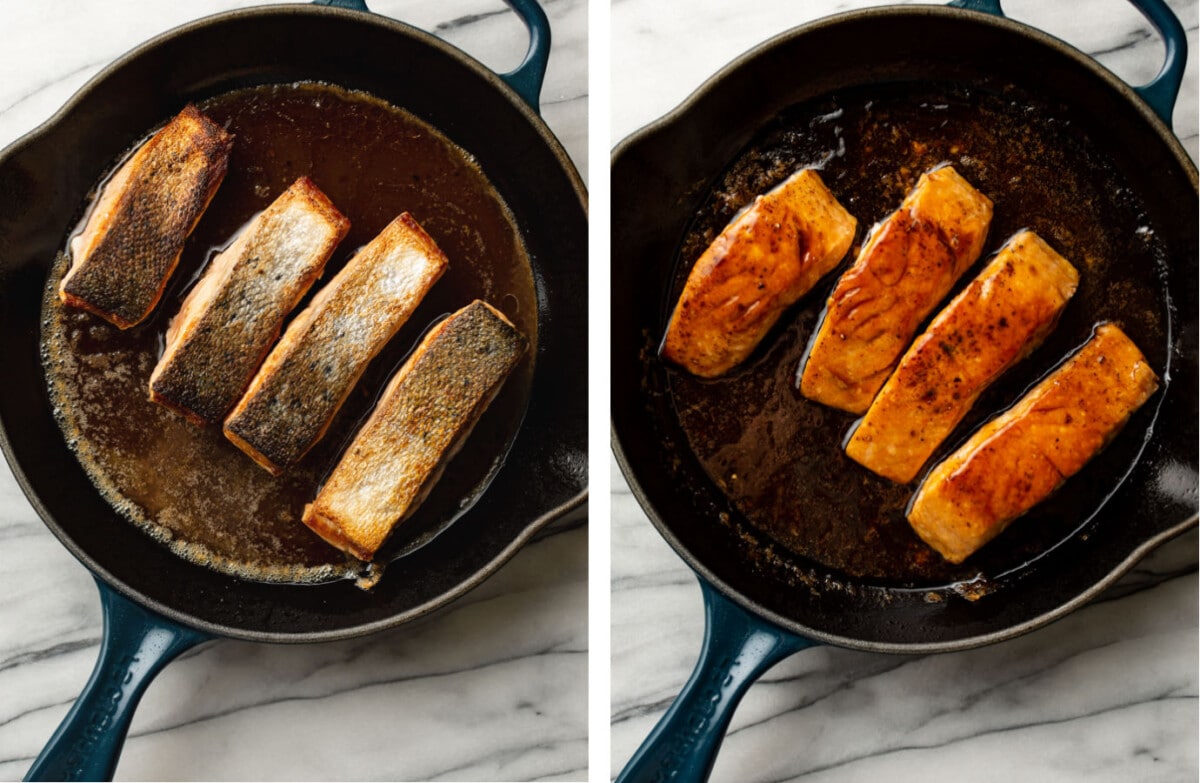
192, 489
778, 457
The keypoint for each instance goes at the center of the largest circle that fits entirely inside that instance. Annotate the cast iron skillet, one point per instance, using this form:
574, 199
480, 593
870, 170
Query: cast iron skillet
763, 604
157, 605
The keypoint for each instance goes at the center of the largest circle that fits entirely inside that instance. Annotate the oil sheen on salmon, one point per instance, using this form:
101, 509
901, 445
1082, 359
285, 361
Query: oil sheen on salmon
778, 457
191, 488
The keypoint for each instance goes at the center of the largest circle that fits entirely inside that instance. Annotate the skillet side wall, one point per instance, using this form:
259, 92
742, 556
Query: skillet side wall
658, 180
46, 181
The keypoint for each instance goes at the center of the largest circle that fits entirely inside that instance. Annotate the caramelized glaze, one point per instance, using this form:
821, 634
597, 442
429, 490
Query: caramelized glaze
777, 457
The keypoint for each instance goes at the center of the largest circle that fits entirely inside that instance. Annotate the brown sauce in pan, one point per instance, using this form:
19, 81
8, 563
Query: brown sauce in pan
192, 489
778, 457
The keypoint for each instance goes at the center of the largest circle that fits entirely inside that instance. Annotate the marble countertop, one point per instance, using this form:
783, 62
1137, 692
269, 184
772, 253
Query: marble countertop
1107, 694
509, 703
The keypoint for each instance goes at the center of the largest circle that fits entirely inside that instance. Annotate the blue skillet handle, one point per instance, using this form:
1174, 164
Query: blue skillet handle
527, 78
137, 644
738, 648
1160, 92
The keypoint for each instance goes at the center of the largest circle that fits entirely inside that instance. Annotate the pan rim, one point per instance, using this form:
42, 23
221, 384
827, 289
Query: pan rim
237, 16
679, 115
838, 640
679, 112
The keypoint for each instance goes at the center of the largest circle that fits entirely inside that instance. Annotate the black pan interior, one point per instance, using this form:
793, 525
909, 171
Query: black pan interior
663, 184
46, 178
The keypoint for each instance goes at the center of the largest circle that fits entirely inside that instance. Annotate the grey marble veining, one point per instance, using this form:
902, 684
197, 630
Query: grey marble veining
1107, 694
492, 688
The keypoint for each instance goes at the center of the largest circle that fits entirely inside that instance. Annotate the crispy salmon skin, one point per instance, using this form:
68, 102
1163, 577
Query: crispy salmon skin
906, 267
765, 260
1018, 458
130, 244
997, 320
295, 394
425, 413
230, 319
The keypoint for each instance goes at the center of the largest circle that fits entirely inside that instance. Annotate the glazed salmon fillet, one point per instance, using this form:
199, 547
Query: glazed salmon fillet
294, 395
992, 324
130, 244
424, 415
1018, 458
906, 267
766, 259
233, 315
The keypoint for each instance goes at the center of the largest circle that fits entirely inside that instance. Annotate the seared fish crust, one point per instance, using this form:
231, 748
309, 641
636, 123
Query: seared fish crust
426, 412
234, 313
310, 373
130, 245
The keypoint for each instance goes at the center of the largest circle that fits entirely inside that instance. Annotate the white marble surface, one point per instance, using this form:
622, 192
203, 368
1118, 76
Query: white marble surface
1107, 694
494, 688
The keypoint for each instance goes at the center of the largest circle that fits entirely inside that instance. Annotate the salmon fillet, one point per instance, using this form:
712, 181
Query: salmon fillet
908, 264
995, 322
294, 395
427, 410
130, 245
234, 313
766, 259
1018, 458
